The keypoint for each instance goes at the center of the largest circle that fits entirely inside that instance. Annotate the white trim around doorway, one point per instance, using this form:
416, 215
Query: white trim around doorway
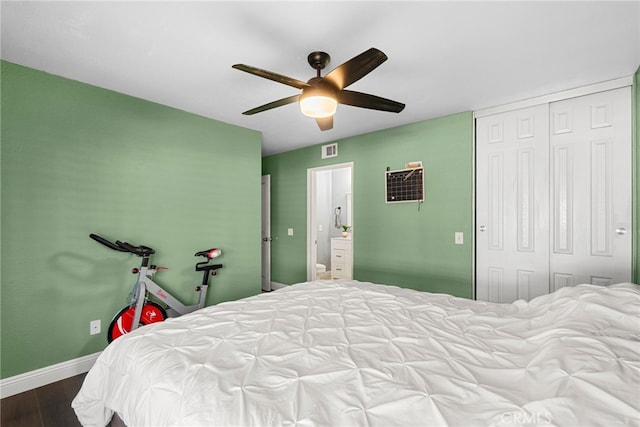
311, 220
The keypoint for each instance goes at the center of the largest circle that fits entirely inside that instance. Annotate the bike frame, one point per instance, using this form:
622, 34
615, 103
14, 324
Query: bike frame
175, 308
145, 285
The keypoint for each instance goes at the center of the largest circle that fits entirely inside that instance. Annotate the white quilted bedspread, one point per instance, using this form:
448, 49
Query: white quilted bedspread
356, 354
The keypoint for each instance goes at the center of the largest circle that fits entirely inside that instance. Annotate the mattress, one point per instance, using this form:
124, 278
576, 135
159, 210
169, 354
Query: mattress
350, 353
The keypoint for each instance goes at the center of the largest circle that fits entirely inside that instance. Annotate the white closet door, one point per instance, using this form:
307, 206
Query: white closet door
591, 189
512, 207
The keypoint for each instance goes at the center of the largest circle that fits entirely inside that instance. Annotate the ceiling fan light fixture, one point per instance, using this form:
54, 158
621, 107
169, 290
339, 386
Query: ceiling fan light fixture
318, 106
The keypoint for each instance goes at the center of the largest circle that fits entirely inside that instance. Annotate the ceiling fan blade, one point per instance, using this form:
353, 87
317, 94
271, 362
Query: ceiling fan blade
356, 68
364, 100
325, 123
289, 81
274, 104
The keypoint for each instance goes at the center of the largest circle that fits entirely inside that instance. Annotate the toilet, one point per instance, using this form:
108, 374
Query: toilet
322, 273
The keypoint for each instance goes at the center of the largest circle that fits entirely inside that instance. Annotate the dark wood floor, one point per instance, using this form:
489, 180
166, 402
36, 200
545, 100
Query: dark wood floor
47, 406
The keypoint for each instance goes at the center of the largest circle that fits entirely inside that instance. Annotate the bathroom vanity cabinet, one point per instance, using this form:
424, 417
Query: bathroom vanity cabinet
341, 258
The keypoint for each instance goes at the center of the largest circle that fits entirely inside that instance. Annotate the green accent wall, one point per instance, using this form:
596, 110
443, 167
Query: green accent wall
406, 244
78, 159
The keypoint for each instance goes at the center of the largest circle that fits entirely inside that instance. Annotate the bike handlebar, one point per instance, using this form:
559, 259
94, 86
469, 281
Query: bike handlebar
136, 250
107, 243
123, 246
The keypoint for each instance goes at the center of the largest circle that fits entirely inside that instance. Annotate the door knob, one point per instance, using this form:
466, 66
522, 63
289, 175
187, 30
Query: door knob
621, 231
483, 228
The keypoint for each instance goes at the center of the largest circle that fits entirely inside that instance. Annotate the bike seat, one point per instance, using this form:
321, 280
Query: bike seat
207, 267
209, 253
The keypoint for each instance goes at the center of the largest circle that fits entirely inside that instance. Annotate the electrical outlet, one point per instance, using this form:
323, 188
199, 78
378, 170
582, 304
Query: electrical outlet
94, 327
459, 238
290, 232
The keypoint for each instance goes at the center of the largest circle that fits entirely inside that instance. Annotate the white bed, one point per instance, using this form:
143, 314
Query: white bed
353, 354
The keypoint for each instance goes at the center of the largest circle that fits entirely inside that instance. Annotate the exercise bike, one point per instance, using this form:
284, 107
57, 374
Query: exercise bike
141, 311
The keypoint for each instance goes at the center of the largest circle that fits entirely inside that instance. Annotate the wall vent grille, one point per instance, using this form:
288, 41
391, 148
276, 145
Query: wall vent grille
330, 150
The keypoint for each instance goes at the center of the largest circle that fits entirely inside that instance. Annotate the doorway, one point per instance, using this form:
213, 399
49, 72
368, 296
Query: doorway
266, 233
329, 208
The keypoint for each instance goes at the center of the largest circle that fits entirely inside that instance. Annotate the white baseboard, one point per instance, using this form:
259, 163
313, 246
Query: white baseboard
276, 285
43, 376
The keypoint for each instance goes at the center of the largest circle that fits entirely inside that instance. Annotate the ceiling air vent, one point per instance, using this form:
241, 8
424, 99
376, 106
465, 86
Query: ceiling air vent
330, 150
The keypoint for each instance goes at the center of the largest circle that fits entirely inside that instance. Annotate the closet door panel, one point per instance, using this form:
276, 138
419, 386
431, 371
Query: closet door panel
591, 189
563, 197
512, 208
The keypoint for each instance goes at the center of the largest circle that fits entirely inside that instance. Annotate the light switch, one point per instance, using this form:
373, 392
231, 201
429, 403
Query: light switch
459, 239
290, 232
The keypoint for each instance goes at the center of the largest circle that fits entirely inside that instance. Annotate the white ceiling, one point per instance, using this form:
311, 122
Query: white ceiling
444, 57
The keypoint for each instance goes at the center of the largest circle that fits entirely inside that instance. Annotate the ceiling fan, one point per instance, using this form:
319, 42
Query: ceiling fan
320, 96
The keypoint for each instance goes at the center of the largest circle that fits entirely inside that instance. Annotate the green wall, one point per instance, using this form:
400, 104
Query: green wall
78, 159
404, 244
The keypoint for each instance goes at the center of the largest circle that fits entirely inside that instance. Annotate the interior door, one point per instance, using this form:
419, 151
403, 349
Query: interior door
512, 210
312, 225
266, 233
591, 189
